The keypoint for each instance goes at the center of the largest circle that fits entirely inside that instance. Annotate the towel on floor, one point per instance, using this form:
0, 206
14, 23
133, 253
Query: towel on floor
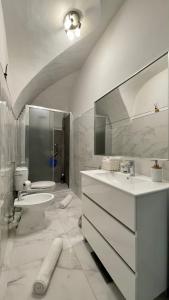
43, 278
65, 202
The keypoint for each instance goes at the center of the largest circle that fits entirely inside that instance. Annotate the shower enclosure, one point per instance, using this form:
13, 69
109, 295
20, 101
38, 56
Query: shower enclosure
47, 144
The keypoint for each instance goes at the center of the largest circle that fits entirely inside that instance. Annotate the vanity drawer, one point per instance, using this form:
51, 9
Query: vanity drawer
118, 236
120, 272
119, 204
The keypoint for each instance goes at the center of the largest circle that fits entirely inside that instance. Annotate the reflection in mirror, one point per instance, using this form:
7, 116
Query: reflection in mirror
132, 119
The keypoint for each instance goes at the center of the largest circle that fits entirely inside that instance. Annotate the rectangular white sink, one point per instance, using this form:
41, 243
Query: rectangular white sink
121, 178
136, 185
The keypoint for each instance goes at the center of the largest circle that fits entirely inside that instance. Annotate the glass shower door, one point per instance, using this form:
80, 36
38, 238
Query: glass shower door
40, 144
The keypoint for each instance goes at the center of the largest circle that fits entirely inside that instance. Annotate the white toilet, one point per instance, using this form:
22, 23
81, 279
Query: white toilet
21, 176
34, 204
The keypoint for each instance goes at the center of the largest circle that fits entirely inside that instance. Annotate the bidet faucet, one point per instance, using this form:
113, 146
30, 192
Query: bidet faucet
24, 193
20, 194
131, 167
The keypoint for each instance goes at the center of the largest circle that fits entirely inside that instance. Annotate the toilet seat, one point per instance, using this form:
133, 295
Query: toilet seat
42, 185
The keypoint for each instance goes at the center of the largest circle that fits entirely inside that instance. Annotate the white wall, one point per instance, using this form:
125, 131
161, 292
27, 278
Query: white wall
58, 95
3, 44
4, 90
150, 93
137, 35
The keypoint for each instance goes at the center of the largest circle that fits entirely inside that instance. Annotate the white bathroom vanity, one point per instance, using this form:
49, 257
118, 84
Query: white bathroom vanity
125, 222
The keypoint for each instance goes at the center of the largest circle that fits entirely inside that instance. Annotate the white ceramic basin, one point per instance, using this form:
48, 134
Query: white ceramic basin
120, 177
33, 200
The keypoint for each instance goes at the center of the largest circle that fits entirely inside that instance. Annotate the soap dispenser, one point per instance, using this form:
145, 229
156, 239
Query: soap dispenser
156, 172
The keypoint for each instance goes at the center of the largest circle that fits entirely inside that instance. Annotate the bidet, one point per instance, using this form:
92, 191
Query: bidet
33, 206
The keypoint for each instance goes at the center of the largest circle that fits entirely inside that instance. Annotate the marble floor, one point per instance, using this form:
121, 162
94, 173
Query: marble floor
76, 275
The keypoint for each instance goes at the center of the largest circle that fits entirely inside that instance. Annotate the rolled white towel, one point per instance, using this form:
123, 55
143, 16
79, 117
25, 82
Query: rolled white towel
65, 202
43, 278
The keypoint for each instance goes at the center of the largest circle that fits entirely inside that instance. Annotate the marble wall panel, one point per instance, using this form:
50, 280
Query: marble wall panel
7, 163
142, 137
84, 158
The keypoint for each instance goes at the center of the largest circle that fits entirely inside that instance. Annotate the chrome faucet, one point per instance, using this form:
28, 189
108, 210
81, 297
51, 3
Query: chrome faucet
131, 167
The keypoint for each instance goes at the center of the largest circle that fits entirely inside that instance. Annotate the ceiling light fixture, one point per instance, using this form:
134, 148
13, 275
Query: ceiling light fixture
72, 24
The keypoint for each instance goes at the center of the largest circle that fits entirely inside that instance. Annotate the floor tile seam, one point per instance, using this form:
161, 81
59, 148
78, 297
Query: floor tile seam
84, 272
24, 266
92, 289
18, 244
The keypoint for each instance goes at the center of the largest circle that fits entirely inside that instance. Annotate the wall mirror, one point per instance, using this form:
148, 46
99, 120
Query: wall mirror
132, 119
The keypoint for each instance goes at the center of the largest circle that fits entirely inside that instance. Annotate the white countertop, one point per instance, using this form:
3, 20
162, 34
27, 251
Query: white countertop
137, 185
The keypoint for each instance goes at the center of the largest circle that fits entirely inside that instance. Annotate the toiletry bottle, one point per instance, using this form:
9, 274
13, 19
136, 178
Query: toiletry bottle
156, 172
106, 164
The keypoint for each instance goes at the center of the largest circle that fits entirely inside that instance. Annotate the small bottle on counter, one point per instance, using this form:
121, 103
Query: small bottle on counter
124, 167
156, 172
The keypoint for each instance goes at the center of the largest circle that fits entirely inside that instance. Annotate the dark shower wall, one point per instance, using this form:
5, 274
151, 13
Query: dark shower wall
40, 145
48, 139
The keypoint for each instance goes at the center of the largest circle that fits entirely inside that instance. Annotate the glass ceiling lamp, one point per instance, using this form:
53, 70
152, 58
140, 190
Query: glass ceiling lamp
72, 24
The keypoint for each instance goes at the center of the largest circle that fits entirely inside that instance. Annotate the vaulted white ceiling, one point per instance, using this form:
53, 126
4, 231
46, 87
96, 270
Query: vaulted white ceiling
39, 50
